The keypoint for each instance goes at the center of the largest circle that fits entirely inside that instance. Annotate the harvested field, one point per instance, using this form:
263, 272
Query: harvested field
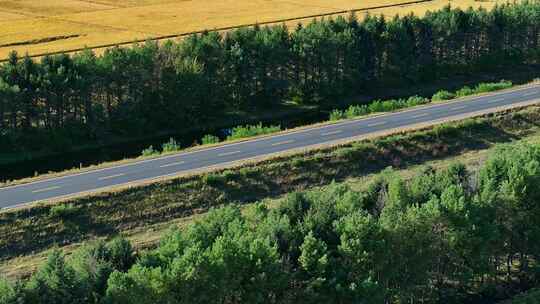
30, 26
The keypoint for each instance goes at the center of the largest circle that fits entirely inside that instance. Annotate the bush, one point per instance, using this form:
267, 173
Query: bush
121, 254
214, 179
337, 115
229, 174
209, 139
170, 146
492, 86
415, 101
390, 105
7, 292
355, 111
63, 211
443, 95
250, 131
465, 91
375, 106
149, 151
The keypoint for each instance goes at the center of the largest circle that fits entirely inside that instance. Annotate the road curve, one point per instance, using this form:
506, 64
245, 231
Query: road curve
137, 171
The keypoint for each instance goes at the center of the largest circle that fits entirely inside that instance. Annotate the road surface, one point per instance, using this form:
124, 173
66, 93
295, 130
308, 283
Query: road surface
138, 171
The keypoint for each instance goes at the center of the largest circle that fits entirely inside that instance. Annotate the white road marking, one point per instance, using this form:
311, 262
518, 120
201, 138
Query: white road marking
495, 100
111, 176
530, 93
229, 153
331, 133
420, 115
46, 189
458, 108
283, 142
172, 164
377, 124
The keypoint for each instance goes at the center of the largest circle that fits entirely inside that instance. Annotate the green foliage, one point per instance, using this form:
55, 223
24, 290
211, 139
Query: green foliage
63, 211
240, 132
313, 257
170, 146
443, 95
492, 86
149, 152
209, 139
465, 91
336, 115
393, 241
355, 111
214, 179
415, 101
377, 106
55, 282
120, 254
62, 101
8, 294
392, 105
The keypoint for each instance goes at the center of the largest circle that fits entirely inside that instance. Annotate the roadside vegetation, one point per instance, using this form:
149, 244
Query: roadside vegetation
354, 111
236, 133
125, 211
66, 101
379, 106
443, 236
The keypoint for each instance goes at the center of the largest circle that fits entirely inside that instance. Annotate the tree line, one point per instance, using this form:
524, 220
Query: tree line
65, 100
443, 236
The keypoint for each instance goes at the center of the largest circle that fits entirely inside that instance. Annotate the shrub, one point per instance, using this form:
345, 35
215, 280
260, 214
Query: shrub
170, 146
443, 129
492, 86
390, 105
465, 91
62, 211
355, 111
375, 106
214, 179
415, 101
229, 174
443, 95
209, 139
121, 253
346, 153
149, 151
250, 131
337, 115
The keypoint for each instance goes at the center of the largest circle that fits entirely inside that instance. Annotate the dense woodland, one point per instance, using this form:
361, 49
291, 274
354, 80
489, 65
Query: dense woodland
443, 236
64, 100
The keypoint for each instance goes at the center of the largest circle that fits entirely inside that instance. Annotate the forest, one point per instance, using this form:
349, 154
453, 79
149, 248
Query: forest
62, 101
449, 235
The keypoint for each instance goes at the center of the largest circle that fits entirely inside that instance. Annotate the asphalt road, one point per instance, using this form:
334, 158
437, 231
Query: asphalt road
96, 180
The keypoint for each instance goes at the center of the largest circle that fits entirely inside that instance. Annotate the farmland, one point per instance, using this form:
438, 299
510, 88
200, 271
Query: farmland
48, 26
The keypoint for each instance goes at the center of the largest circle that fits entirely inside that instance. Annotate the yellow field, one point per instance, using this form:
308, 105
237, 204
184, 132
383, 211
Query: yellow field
37, 27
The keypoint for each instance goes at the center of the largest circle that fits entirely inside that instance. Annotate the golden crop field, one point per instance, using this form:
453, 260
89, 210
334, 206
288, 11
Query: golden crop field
43, 26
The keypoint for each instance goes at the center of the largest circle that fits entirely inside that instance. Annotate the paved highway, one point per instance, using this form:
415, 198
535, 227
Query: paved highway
96, 180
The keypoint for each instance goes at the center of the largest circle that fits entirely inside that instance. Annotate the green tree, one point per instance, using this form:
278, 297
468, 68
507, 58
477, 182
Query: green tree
55, 282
